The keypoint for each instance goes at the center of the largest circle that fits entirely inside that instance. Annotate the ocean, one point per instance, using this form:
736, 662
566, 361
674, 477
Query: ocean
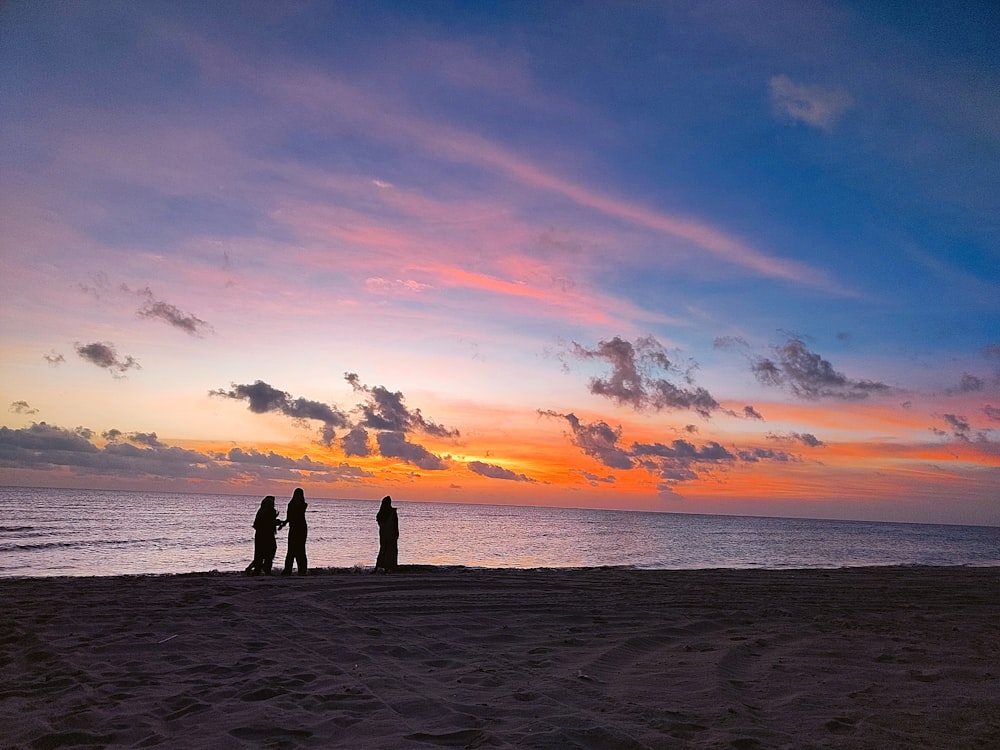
50, 532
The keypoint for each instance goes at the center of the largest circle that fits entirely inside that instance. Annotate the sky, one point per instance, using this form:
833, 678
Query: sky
701, 257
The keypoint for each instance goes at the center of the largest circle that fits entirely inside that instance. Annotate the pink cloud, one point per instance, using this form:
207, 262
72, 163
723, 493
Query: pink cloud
577, 305
376, 115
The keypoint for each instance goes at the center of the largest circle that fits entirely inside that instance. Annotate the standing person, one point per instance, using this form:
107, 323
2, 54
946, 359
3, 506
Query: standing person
388, 537
295, 517
265, 524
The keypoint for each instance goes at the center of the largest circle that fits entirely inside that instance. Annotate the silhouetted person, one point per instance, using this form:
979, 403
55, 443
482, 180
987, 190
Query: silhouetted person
265, 524
388, 537
295, 517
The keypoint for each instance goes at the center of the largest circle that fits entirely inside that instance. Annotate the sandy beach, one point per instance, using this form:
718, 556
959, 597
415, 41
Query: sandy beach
466, 658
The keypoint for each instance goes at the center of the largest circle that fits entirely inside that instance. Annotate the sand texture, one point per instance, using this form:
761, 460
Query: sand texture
467, 658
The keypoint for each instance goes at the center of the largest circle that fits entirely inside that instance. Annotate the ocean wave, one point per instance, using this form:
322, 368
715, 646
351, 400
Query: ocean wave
63, 544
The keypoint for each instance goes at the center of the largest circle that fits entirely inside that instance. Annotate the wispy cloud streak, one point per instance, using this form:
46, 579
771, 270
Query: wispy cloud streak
375, 115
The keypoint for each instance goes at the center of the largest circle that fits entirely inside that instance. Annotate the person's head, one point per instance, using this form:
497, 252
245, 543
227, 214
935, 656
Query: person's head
267, 502
386, 502
299, 496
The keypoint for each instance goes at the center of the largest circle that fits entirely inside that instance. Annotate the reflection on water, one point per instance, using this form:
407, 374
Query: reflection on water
70, 532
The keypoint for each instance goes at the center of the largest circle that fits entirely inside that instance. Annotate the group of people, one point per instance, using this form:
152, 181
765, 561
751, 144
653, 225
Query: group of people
266, 524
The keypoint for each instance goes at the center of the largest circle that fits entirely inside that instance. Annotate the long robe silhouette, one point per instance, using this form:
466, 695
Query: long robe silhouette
388, 537
295, 517
265, 524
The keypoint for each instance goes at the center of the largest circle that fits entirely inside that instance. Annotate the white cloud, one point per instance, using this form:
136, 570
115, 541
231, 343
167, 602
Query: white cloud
378, 285
813, 105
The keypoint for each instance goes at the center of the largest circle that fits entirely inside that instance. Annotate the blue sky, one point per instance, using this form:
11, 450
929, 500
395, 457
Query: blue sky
712, 228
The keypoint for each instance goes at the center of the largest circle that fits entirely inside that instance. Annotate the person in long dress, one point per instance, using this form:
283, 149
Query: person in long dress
265, 546
295, 517
388, 537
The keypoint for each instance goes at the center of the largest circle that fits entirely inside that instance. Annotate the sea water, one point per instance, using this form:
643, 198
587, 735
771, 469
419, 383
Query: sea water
49, 532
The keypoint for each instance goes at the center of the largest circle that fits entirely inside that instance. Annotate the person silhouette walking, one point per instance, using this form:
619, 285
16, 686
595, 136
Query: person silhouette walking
295, 517
265, 524
388, 537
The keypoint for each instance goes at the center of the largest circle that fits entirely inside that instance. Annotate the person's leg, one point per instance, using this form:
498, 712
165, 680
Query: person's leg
303, 564
254, 567
268, 561
296, 547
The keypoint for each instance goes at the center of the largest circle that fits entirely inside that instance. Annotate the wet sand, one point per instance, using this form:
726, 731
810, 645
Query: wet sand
467, 658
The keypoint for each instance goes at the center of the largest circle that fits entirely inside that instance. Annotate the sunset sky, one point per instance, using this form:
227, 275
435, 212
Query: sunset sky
722, 257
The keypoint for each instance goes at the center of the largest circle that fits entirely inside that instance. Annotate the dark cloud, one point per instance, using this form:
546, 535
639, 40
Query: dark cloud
753, 455
385, 410
355, 442
22, 407
596, 480
808, 375
262, 398
46, 447
639, 377
496, 472
681, 460
808, 439
395, 445
675, 461
598, 440
750, 413
101, 286
158, 309
730, 342
711, 451
382, 411
147, 439
666, 491
992, 412
152, 308
969, 384
798, 437
960, 426
103, 354
272, 459
674, 471
274, 464
41, 438
54, 359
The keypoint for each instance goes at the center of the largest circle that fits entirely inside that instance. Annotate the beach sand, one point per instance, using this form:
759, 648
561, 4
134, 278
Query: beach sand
549, 659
